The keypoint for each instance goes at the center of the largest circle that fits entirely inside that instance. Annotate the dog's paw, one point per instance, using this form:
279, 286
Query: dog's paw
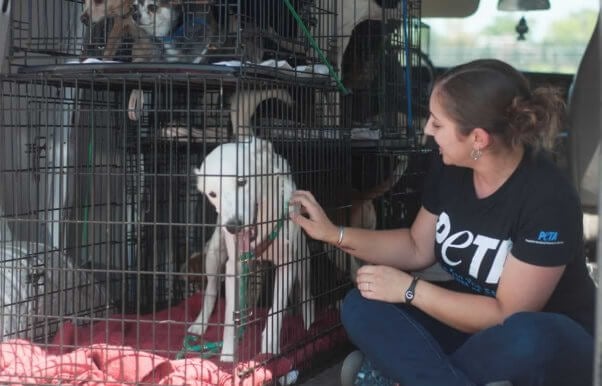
268, 344
197, 329
227, 358
227, 354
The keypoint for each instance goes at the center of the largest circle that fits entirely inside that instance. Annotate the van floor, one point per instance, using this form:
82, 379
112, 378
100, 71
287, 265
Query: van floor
326, 370
331, 376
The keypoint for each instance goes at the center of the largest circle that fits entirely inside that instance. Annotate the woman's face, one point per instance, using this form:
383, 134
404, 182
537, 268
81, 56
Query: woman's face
454, 148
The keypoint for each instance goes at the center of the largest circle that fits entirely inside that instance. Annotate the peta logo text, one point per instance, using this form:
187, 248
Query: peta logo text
547, 236
466, 242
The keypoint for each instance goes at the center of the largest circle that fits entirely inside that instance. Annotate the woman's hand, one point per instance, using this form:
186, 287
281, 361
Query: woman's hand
380, 282
312, 218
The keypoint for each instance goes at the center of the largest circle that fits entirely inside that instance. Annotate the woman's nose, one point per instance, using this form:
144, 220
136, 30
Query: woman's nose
428, 128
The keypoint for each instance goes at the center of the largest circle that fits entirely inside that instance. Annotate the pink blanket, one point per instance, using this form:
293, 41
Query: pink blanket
133, 349
22, 362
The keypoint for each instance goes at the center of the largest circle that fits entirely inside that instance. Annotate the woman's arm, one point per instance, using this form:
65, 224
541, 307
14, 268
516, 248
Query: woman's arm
407, 248
522, 287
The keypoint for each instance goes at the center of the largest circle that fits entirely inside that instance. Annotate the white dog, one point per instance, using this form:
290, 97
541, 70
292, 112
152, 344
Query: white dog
249, 185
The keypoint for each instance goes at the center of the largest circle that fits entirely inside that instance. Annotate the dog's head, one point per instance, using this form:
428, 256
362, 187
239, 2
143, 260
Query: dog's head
157, 17
97, 10
248, 184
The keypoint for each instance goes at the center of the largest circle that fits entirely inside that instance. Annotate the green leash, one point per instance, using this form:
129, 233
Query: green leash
209, 349
314, 44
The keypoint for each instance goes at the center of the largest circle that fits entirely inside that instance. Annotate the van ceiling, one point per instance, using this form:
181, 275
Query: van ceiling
456, 8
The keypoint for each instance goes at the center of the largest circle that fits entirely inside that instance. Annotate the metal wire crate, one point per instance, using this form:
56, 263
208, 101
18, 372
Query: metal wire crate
371, 49
195, 31
388, 187
98, 168
393, 180
389, 77
116, 199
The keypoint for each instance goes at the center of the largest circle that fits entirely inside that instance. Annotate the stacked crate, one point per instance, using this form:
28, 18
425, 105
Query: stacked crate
100, 216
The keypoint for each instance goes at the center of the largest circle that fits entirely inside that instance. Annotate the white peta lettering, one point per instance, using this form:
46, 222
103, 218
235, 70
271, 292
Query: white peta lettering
464, 239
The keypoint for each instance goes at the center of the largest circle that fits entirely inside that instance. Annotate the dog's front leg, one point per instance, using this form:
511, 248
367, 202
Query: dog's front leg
304, 276
283, 282
215, 256
114, 39
229, 336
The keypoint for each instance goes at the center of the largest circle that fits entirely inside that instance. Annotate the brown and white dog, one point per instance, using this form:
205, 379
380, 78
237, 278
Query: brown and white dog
96, 11
249, 185
363, 213
185, 31
179, 31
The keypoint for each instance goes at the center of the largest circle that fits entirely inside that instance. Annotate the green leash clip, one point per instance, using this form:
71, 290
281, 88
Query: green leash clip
206, 350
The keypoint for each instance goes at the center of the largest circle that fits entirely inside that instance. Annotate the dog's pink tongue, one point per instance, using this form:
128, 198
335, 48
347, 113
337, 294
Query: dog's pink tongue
244, 242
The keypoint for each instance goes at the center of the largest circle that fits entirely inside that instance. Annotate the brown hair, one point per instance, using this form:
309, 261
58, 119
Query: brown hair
493, 95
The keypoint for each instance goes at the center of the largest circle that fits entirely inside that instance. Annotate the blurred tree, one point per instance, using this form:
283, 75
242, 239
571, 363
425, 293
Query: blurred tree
570, 30
552, 44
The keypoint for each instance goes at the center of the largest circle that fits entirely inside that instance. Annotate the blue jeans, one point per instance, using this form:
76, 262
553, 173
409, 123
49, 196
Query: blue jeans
410, 347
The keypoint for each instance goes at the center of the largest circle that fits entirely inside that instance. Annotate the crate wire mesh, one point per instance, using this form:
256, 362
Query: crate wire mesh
117, 199
395, 178
97, 170
201, 31
372, 49
389, 77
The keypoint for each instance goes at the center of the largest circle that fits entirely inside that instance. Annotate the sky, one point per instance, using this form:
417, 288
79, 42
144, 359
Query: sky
488, 9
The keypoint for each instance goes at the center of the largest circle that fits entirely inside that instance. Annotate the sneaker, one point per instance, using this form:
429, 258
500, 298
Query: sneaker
369, 376
358, 371
351, 366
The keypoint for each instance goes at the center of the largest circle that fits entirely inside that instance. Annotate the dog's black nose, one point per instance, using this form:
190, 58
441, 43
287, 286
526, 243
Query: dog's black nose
85, 19
233, 226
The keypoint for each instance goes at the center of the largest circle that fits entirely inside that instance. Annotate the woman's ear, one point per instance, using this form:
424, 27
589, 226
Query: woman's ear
481, 138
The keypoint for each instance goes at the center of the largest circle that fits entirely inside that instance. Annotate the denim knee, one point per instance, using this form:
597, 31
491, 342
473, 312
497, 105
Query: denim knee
529, 341
541, 335
529, 348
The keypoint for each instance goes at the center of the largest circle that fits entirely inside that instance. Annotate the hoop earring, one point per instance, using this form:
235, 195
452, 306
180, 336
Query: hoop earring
475, 154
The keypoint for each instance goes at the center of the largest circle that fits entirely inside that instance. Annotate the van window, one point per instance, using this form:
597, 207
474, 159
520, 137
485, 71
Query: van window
554, 43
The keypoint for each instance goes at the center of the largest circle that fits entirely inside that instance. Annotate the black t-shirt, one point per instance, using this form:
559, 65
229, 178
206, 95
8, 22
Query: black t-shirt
535, 215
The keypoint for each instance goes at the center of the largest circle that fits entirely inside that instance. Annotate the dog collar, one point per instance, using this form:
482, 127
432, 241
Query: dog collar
265, 243
189, 23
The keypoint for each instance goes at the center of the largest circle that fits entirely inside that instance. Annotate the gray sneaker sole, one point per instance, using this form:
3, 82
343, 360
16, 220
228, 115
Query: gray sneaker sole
351, 365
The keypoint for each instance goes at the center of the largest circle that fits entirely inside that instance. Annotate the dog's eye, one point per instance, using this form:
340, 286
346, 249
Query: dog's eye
212, 194
152, 8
